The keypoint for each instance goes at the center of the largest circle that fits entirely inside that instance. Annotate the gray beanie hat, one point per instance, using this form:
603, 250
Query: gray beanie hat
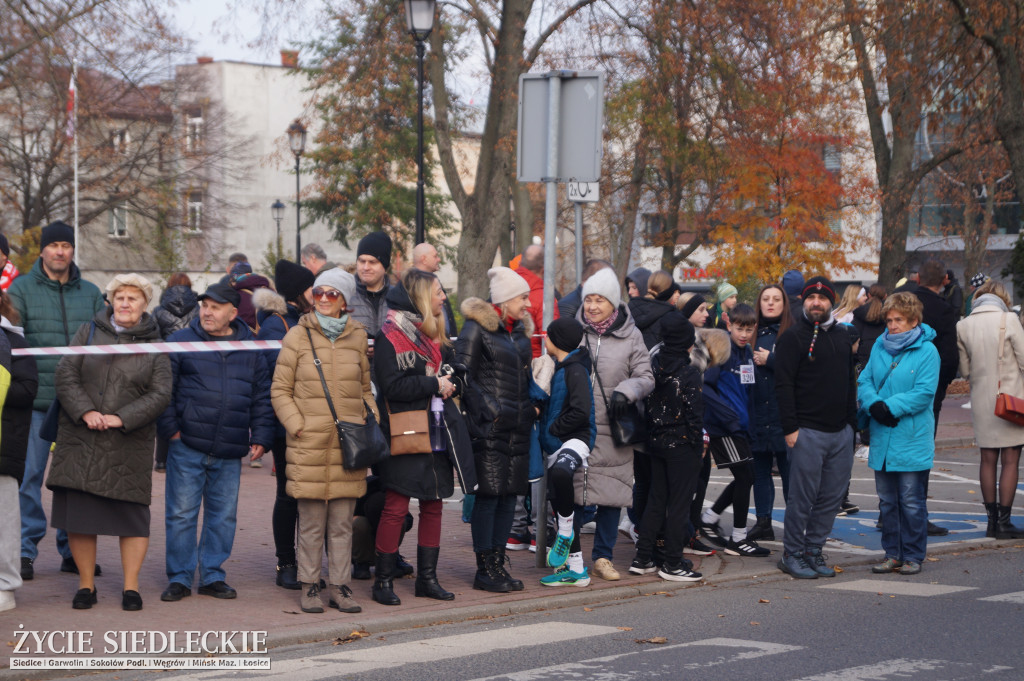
339, 279
506, 285
605, 284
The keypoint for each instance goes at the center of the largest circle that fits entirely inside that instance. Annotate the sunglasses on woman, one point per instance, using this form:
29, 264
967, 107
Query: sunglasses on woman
331, 294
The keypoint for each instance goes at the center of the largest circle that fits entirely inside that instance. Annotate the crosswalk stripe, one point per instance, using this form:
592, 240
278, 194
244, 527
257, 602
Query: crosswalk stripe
1016, 597
352, 660
900, 669
897, 587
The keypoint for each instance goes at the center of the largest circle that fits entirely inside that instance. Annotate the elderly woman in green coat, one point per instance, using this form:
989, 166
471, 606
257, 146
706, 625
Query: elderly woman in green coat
101, 471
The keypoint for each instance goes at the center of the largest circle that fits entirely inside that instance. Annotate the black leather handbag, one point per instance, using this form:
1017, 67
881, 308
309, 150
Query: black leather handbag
629, 429
362, 444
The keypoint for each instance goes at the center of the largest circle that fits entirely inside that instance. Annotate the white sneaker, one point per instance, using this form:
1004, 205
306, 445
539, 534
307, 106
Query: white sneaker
588, 528
862, 452
965, 405
256, 463
6, 600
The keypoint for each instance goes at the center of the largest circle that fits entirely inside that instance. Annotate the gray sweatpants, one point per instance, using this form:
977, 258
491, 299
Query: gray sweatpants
819, 472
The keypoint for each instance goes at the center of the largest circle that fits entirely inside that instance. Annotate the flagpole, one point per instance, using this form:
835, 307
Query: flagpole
74, 154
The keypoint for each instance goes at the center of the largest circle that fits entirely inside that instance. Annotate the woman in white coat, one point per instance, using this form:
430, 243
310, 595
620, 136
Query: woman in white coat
991, 343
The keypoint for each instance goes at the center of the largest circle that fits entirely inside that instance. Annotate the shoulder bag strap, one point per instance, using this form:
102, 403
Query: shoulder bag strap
92, 332
600, 384
320, 371
999, 364
892, 365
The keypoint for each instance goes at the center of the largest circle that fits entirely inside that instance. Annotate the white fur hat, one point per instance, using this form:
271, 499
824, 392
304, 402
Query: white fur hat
506, 285
605, 284
338, 278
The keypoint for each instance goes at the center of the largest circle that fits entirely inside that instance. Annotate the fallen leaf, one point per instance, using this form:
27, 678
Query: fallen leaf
588, 610
837, 568
721, 615
763, 600
353, 636
755, 624
944, 470
656, 639
625, 628
971, 491
932, 560
892, 596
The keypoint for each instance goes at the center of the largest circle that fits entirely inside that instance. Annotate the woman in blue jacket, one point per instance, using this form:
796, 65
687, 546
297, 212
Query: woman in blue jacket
896, 388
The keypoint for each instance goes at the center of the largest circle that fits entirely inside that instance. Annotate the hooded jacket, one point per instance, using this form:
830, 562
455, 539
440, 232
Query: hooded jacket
623, 363
868, 331
569, 412
536, 310
114, 463
246, 286
17, 408
275, 317
496, 396
50, 313
675, 408
221, 400
908, 392
178, 306
405, 385
728, 404
647, 314
314, 467
766, 431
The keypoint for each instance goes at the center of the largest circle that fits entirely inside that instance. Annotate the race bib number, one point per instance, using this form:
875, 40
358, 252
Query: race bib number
746, 374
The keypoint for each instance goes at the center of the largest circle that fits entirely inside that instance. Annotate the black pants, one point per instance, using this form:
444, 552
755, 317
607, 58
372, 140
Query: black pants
673, 480
286, 510
700, 491
560, 490
737, 494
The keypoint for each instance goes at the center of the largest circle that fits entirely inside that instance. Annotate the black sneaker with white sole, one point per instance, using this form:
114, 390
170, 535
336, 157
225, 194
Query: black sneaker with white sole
698, 548
642, 567
745, 548
713, 533
679, 573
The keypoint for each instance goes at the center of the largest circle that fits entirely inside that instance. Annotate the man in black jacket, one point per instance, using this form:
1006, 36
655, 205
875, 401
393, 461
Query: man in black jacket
816, 391
941, 316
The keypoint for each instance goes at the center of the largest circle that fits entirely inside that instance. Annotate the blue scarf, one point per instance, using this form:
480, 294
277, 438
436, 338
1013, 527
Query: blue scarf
332, 326
895, 343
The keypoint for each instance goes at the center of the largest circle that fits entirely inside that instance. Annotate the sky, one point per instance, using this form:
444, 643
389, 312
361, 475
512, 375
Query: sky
224, 34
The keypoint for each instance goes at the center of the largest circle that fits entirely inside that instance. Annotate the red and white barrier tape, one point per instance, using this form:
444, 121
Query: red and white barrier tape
150, 348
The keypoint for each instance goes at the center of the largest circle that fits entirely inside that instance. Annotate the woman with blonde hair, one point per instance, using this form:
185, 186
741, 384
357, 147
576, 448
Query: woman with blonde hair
849, 302
991, 344
412, 359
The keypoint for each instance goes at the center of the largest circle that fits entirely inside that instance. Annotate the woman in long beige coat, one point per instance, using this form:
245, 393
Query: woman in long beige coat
326, 493
978, 337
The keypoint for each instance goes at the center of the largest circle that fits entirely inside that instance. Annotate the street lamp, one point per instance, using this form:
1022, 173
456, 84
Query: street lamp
277, 210
419, 18
297, 142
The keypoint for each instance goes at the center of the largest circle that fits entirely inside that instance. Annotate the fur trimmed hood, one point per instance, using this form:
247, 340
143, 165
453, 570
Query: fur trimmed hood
710, 349
268, 300
484, 314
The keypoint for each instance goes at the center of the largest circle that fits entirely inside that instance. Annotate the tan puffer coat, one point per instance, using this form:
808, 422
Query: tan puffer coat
314, 453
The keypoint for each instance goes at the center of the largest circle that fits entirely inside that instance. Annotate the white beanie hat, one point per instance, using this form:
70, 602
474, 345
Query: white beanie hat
339, 279
506, 285
605, 284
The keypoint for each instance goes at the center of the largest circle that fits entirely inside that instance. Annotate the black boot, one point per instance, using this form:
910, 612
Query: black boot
993, 518
287, 577
426, 575
402, 567
488, 578
1004, 530
501, 559
762, 529
382, 588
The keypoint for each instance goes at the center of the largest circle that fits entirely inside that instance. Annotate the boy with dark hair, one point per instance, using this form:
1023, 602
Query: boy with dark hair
567, 434
728, 406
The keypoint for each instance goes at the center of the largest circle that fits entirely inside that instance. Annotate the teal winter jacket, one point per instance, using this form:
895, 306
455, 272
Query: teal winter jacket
51, 313
909, 392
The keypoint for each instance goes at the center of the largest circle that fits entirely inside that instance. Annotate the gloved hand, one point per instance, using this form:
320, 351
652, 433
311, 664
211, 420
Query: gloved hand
619, 406
880, 412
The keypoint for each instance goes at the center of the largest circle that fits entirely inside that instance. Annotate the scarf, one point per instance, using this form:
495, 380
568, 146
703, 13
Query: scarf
402, 329
895, 343
332, 326
989, 299
602, 327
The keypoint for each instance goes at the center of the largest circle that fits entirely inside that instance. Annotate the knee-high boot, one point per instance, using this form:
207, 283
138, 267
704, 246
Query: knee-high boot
426, 575
383, 591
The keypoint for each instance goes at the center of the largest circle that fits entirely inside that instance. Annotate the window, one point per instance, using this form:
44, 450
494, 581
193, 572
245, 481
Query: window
118, 227
193, 130
653, 225
120, 141
194, 212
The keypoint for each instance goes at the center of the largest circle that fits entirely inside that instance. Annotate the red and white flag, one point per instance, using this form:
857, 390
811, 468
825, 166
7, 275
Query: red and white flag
71, 108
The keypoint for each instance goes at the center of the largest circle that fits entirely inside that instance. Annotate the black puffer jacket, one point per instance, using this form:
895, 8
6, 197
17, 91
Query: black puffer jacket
178, 306
647, 314
868, 331
17, 413
496, 396
767, 429
405, 386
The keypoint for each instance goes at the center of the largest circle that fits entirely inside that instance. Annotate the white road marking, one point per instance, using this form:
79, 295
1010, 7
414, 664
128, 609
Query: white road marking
595, 667
1017, 597
901, 669
350, 659
896, 586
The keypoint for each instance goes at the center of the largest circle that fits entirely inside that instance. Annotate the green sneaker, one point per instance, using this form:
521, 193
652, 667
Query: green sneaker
559, 551
563, 576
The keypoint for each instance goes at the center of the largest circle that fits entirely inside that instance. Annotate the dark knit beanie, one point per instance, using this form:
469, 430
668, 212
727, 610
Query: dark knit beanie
676, 331
56, 231
565, 333
5, 247
691, 306
819, 285
377, 245
291, 280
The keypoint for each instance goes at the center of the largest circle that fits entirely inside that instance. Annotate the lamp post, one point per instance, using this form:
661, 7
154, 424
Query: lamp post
297, 142
277, 210
419, 18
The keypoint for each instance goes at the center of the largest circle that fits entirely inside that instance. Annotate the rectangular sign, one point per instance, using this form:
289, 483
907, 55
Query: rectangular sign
583, 192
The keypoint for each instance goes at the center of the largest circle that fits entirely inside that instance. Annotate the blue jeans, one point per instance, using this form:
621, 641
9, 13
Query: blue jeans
33, 517
606, 527
492, 521
764, 488
194, 478
903, 510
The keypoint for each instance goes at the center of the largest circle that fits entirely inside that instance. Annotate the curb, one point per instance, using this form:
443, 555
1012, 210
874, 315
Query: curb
955, 442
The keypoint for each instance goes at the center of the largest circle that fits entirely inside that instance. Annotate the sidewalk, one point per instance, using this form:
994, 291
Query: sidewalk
45, 602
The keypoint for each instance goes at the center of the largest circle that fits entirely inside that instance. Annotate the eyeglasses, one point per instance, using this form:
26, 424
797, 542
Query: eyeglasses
331, 294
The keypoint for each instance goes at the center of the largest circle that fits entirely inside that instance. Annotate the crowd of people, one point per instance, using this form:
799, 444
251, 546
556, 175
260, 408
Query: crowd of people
622, 404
